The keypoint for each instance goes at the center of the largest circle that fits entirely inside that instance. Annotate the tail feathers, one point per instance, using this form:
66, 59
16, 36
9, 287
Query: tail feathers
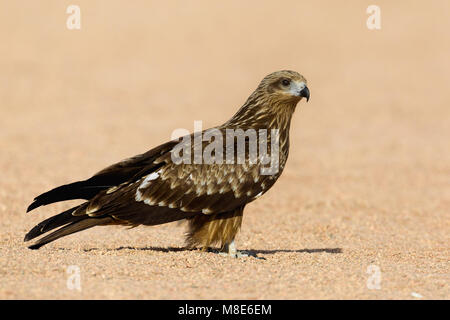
52, 223
76, 190
72, 227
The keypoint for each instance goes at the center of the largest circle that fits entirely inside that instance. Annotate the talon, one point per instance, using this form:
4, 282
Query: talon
229, 250
241, 254
235, 255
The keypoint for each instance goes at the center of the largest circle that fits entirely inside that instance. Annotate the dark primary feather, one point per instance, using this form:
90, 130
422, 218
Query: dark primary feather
76, 190
52, 223
116, 174
69, 229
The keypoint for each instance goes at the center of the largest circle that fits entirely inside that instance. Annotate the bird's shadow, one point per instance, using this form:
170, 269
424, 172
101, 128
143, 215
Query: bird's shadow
251, 252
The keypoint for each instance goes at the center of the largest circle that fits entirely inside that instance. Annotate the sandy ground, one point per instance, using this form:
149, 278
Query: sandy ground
366, 187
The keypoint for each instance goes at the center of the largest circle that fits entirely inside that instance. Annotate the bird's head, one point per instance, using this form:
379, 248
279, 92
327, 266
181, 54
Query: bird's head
276, 96
284, 86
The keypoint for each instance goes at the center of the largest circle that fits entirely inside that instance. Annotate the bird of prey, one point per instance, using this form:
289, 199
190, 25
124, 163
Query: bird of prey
152, 188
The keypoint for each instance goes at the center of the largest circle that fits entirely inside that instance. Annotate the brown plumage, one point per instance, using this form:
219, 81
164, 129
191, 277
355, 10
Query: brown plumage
152, 188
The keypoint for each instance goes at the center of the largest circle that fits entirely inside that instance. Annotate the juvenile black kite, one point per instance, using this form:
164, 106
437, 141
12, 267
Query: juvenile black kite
152, 188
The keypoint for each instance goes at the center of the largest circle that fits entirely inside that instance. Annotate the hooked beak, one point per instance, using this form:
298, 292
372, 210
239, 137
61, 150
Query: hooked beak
304, 93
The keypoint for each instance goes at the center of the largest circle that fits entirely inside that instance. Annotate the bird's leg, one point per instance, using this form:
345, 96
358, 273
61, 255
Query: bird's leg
229, 250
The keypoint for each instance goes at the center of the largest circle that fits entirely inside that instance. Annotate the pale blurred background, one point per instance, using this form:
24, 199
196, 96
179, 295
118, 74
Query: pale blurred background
370, 152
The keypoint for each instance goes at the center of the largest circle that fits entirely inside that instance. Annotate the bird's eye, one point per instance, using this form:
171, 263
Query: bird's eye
286, 82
